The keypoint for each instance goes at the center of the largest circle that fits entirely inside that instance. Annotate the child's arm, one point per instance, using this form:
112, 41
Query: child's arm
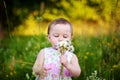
73, 66
39, 62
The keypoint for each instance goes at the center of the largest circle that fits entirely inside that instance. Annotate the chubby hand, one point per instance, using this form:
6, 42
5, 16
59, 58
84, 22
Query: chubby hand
44, 71
63, 60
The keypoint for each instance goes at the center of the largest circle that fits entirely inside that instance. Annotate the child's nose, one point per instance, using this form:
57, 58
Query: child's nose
60, 38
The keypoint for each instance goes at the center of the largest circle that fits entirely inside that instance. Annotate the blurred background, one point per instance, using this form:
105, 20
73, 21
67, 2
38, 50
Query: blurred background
23, 32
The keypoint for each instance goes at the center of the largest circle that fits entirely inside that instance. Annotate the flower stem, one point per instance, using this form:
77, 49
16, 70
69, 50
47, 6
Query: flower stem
61, 71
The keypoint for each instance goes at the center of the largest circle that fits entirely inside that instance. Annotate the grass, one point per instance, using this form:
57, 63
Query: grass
96, 46
100, 53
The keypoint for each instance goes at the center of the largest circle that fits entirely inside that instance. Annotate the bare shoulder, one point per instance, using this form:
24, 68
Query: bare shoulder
41, 52
39, 60
74, 58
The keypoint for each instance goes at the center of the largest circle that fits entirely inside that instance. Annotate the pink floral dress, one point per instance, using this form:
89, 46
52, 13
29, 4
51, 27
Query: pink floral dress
52, 60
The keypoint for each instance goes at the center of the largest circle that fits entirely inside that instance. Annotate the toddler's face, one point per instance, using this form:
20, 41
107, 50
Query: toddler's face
59, 32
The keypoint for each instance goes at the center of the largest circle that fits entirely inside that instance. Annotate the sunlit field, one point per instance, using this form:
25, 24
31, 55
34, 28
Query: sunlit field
31, 26
97, 46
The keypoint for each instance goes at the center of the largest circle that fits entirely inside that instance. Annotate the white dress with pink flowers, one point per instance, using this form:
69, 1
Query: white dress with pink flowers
52, 60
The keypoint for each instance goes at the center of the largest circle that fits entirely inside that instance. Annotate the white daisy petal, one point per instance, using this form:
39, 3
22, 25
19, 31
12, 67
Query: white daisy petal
65, 45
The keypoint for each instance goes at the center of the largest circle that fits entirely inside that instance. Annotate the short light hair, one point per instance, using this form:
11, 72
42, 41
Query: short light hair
59, 21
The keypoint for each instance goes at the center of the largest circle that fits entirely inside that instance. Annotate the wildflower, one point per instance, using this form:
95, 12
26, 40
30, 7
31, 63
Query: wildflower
115, 66
85, 57
27, 76
94, 76
64, 46
87, 53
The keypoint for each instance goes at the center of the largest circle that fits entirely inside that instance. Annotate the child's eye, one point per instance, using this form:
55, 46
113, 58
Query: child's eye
56, 35
65, 36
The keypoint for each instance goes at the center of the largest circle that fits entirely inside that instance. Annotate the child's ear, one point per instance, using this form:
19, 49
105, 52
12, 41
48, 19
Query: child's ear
48, 37
71, 38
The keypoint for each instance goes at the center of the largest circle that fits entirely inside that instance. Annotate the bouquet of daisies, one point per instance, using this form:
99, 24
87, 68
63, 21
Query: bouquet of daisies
64, 46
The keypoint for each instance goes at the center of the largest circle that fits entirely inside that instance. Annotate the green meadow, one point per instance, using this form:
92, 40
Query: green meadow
96, 38
95, 53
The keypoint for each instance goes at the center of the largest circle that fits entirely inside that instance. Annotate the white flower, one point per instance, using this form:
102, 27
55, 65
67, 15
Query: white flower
65, 46
71, 49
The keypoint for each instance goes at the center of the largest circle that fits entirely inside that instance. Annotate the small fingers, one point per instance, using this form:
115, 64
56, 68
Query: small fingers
47, 68
44, 71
